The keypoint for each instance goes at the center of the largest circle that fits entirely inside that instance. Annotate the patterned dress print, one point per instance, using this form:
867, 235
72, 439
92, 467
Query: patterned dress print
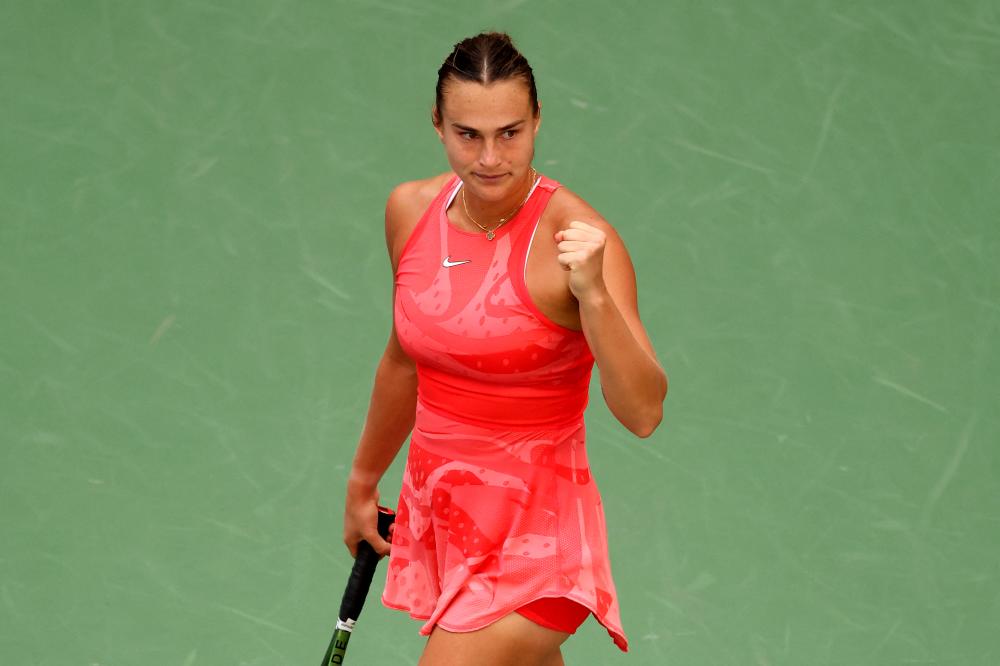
498, 507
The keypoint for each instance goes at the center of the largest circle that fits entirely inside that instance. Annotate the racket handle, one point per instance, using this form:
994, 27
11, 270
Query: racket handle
357, 589
363, 571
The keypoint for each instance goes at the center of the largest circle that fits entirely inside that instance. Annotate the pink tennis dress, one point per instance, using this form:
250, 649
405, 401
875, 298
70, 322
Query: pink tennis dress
498, 507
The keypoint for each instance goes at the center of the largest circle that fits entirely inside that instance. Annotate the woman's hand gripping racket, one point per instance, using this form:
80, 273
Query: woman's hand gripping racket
357, 589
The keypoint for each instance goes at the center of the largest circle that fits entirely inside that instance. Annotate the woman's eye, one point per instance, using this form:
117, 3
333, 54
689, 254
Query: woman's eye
509, 134
468, 136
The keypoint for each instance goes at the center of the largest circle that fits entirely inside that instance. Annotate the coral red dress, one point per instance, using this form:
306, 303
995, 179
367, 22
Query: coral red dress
498, 507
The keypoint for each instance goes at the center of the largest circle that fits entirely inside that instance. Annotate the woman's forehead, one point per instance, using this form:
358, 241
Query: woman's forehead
495, 104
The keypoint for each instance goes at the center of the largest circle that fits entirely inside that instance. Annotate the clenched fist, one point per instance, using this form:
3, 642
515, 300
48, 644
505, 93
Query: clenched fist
581, 252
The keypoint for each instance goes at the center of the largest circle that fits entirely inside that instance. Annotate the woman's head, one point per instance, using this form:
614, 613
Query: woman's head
486, 58
487, 115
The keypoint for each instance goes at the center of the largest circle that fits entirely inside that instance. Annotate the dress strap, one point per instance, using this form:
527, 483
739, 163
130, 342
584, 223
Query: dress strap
517, 265
446, 193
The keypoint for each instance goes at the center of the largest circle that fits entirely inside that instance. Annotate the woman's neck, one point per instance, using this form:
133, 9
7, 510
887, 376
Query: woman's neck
489, 214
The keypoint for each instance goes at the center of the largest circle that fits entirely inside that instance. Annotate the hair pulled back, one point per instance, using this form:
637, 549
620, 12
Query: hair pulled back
485, 58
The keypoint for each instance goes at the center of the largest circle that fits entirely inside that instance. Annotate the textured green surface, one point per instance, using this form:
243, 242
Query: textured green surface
194, 292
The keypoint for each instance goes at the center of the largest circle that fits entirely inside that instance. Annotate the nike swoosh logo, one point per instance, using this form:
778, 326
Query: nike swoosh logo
448, 263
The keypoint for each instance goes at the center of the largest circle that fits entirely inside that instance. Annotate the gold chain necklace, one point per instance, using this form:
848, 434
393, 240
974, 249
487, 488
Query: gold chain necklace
491, 233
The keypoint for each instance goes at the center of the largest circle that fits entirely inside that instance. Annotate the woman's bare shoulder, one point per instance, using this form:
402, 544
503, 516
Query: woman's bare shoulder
407, 203
416, 194
566, 206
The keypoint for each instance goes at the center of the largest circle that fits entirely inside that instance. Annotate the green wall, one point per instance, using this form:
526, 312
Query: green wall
195, 290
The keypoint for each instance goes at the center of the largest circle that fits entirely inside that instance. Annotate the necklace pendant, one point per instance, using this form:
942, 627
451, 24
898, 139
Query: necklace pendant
490, 235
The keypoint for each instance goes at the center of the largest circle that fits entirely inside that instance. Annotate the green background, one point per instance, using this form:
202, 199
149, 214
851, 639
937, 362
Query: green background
195, 291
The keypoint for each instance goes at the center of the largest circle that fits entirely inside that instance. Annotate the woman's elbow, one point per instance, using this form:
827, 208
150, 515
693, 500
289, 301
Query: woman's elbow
645, 427
653, 415
642, 415
646, 423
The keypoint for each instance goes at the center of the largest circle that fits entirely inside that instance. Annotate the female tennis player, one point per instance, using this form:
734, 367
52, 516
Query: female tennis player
508, 287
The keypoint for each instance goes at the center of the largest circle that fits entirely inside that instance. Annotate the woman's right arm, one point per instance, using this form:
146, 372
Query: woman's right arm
391, 411
389, 422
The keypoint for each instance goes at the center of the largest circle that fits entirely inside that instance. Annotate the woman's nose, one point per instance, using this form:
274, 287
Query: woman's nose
489, 156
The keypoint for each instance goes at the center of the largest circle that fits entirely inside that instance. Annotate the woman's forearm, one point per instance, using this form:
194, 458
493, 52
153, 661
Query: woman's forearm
633, 383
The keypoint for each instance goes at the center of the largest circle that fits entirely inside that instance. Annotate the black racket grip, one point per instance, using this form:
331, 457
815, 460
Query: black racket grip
364, 570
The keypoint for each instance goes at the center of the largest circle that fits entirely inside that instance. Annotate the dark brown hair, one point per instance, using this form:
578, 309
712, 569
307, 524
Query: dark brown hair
485, 58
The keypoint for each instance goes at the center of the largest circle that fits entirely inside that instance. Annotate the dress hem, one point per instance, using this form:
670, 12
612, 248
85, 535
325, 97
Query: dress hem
619, 639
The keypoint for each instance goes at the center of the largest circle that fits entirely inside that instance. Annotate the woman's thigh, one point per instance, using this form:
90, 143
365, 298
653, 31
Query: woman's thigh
510, 641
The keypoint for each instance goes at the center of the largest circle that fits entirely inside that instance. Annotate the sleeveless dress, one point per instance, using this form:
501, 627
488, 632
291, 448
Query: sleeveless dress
498, 507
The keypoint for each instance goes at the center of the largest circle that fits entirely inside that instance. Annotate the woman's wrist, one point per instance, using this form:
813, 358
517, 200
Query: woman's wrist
362, 483
594, 299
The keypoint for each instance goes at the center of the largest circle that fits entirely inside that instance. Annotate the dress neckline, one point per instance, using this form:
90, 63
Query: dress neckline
457, 183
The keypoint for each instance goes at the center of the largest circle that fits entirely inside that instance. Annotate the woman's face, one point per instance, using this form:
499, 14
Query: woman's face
488, 132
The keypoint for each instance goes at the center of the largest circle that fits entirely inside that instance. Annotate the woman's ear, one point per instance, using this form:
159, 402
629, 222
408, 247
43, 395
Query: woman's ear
437, 122
538, 118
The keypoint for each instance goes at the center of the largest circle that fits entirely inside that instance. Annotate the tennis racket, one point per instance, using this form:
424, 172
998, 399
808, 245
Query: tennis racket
357, 589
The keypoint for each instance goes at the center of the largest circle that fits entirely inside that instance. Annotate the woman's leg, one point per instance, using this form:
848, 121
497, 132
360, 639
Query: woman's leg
556, 660
510, 641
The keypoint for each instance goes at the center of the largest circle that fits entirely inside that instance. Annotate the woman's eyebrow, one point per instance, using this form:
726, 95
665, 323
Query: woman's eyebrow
465, 128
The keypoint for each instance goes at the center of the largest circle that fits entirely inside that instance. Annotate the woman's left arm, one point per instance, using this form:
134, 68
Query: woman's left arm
602, 279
